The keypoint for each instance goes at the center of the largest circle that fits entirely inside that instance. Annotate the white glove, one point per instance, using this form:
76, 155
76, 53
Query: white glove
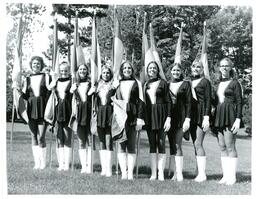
206, 123
54, 76
236, 126
139, 124
167, 124
92, 90
115, 83
186, 124
73, 88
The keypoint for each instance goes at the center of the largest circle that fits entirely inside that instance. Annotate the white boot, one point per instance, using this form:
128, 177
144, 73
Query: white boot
61, 156
89, 161
67, 156
130, 161
42, 152
123, 164
225, 168
231, 172
172, 167
108, 163
82, 156
103, 162
179, 167
153, 161
35, 151
161, 166
201, 164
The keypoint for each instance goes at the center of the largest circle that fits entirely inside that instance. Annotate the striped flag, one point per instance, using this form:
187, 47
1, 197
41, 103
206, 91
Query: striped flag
118, 47
204, 54
179, 46
19, 102
155, 53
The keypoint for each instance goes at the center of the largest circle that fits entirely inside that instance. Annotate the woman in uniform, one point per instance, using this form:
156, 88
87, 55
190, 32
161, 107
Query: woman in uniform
228, 116
104, 110
36, 92
200, 113
63, 113
180, 92
80, 90
158, 118
129, 92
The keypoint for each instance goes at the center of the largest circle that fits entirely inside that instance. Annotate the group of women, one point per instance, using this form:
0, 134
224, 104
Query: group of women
167, 109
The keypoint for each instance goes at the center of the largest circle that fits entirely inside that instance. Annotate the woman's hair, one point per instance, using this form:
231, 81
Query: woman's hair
38, 58
179, 65
198, 62
232, 71
122, 68
77, 75
158, 70
109, 69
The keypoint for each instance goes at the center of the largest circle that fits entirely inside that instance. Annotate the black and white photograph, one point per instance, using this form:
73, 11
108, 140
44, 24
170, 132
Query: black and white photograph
127, 98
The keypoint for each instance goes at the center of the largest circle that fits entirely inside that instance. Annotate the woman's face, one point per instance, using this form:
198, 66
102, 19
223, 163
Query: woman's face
127, 70
196, 69
225, 68
106, 74
176, 72
36, 66
64, 71
152, 70
82, 71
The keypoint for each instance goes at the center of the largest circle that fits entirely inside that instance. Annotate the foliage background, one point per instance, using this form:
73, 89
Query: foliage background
229, 33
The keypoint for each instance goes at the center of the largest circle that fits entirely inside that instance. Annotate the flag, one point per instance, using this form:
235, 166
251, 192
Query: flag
74, 63
118, 47
95, 54
95, 69
155, 53
204, 54
49, 113
55, 55
147, 55
118, 120
19, 102
179, 46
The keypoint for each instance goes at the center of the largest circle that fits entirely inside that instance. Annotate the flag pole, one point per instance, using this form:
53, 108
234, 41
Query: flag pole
12, 126
73, 81
116, 143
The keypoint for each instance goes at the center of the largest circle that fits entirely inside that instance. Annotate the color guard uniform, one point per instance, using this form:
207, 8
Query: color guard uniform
180, 92
229, 104
63, 110
128, 90
201, 103
37, 95
158, 108
104, 109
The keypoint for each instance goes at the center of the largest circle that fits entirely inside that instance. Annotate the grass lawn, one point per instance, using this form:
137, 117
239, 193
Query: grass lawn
22, 179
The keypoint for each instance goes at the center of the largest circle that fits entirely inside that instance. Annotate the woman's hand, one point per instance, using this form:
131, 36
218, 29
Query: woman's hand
205, 123
115, 83
186, 124
139, 124
167, 124
73, 88
236, 126
92, 90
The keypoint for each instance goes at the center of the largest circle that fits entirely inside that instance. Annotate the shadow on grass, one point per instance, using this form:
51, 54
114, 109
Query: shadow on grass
243, 137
